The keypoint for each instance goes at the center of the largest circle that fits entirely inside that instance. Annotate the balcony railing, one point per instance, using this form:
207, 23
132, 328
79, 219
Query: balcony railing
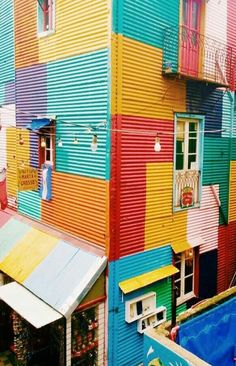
191, 54
187, 188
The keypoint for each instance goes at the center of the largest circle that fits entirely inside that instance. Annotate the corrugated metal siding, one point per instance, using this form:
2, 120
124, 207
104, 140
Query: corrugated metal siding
78, 93
216, 10
181, 308
145, 20
78, 206
226, 115
80, 27
31, 99
203, 222
12, 161
29, 203
216, 170
7, 118
231, 33
125, 343
145, 92
206, 99
26, 42
232, 194
7, 65
231, 262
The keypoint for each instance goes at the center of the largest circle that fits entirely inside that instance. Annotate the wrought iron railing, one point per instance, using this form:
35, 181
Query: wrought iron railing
194, 55
187, 188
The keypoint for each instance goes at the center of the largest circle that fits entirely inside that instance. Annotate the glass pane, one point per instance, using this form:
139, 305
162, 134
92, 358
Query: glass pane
139, 307
191, 160
185, 12
179, 162
188, 285
47, 142
188, 266
179, 146
195, 15
48, 155
193, 129
180, 131
192, 146
177, 285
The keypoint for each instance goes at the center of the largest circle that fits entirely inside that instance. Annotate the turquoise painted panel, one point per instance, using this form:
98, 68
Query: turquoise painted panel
2, 93
7, 41
145, 20
233, 149
29, 203
77, 91
125, 344
226, 115
216, 170
11, 232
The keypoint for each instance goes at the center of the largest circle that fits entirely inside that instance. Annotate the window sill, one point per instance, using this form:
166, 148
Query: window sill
46, 34
185, 298
178, 209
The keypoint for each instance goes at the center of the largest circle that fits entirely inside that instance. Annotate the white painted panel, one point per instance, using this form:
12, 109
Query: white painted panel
68, 341
7, 118
216, 20
101, 333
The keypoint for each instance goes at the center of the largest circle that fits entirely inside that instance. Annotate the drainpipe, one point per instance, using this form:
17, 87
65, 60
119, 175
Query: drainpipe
174, 304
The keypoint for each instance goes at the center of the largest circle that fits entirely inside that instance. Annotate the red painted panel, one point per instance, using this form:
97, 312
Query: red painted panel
134, 149
221, 271
231, 34
4, 217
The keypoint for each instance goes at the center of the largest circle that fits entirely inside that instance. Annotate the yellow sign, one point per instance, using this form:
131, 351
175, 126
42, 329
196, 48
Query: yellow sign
27, 179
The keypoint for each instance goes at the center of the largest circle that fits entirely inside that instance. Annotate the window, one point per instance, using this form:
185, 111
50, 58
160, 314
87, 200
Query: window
47, 149
184, 279
188, 161
45, 16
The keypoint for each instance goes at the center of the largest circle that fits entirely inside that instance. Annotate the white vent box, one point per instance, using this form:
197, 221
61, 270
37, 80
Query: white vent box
140, 306
153, 320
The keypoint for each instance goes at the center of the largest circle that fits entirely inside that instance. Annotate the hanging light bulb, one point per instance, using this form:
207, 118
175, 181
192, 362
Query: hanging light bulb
43, 142
60, 143
76, 141
21, 140
94, 144
157, 146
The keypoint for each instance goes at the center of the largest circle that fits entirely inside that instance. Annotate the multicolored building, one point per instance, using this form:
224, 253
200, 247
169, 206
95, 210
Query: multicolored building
126, 111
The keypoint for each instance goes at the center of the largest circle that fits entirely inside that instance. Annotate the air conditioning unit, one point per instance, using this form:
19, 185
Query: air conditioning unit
140, 306
152, 320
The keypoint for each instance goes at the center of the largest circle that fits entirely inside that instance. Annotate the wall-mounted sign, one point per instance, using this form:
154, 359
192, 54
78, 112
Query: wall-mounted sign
46, 183
187, 197
27, 179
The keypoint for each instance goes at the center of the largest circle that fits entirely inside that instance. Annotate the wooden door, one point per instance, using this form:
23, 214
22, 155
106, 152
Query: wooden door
190, 37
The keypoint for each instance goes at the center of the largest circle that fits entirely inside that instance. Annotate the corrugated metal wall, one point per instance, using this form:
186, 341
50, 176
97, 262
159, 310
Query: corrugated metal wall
231, 34
78, 206
216, 10
29, 204
124, 342
232, 193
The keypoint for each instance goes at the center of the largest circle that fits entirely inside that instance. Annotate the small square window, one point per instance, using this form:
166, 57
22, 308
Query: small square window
47, 149
46, 15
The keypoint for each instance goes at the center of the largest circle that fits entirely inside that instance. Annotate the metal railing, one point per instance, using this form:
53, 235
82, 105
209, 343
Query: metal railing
194, 55
187, 188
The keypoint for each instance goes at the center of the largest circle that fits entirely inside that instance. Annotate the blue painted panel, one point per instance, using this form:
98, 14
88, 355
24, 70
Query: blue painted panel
29, 203
2, 93
145, 20
125, 344
78, 94
11, 233
226, 115
208, 100
7, 64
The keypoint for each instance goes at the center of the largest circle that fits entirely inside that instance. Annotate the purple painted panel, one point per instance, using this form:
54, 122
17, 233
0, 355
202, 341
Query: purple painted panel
10, 93
31, 101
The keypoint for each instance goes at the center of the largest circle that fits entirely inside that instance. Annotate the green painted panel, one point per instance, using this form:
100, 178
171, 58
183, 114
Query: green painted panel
233, 149
216, 169
181, 308
163, 290
145, 20
29, 204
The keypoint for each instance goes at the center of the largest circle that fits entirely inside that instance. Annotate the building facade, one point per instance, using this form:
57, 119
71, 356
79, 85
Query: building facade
125, 110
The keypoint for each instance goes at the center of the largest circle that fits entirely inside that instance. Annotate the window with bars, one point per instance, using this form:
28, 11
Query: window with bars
46, 15
184, 279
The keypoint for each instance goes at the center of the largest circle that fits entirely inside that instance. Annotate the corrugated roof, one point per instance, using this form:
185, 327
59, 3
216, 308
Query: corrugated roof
146, 279
52, 269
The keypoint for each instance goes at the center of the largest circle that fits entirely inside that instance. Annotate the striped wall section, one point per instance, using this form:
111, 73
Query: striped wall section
231, 35
124, 342
232, 193
216, 10
29, 204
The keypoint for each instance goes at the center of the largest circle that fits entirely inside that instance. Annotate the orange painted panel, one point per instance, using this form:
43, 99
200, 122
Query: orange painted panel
78, 206
26, 42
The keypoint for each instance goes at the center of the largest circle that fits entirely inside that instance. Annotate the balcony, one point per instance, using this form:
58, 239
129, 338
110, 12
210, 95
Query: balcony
191, 54
187, 189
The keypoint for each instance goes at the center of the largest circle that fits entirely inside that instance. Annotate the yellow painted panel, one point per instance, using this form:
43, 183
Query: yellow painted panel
145, 92
23, 151
28, 254
162, 226
146, 279
81, 26
180, 246
11, 161
232, 200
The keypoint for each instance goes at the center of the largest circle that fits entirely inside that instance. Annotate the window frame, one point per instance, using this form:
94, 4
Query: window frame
187, 117
48, 32
184, 297
43, 150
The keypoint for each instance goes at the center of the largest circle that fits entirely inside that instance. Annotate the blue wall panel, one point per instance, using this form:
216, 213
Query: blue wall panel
78, 94
29, 203
7, 65
125, 343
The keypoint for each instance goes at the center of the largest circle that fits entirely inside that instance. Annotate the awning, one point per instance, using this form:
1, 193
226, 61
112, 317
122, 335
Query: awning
181, 246
52, 269
38, 123
32, 309
146, 279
